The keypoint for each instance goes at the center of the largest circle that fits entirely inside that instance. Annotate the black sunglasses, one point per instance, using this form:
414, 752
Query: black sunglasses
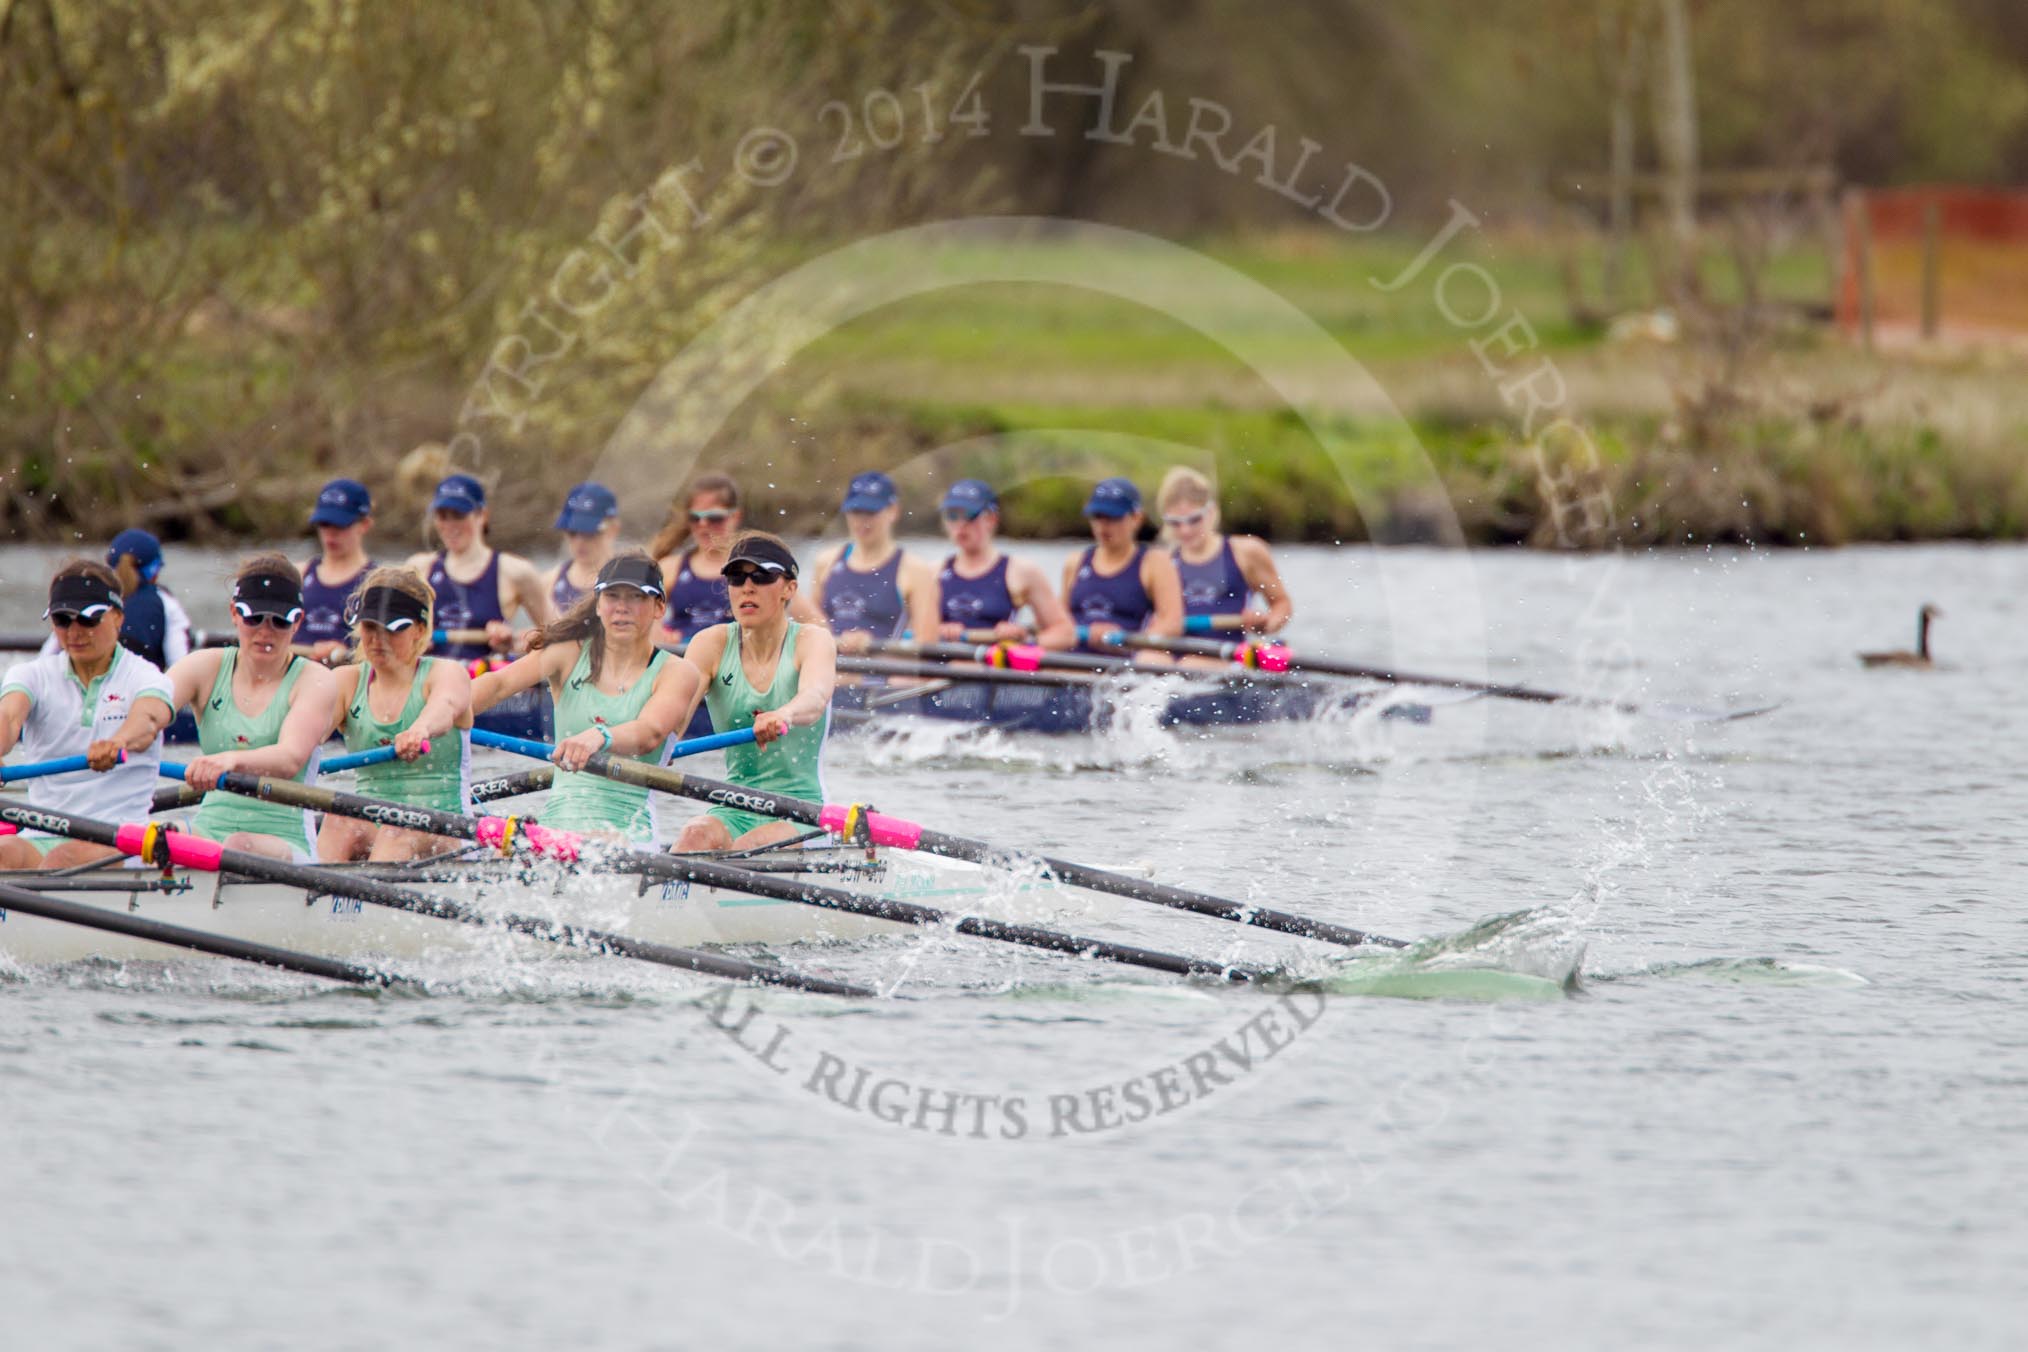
744, 575
276, 622
64, 619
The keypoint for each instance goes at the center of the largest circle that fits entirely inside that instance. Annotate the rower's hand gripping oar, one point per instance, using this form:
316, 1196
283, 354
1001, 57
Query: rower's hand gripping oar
513, 834
857, 824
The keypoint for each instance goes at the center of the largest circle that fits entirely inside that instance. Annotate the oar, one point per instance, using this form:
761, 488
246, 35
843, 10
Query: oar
155, 931
1031, 657
854, 822
154, 842
523, 746
179, 795
359, 760
508, 834
1212, 624
888, 666
1276, 657
62, 765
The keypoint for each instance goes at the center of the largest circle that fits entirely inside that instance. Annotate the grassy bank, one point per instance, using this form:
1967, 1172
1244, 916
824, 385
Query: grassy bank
1784, 435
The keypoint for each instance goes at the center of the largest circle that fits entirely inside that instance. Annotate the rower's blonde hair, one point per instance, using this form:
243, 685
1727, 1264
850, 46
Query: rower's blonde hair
1183, 486
404, 580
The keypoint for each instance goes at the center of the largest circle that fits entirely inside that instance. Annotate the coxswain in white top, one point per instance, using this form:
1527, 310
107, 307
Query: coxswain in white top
92, 698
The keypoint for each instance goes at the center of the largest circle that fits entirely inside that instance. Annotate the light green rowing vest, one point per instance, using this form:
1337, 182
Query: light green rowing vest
223, 727
441, 778
589, 802
793, 763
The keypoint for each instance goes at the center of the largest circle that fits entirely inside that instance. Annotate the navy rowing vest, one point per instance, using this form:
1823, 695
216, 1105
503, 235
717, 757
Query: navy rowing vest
695, 602
324, 606
869, 601
975, 602
144, 624
1217, 587
467, 605
1119, 599
563, 593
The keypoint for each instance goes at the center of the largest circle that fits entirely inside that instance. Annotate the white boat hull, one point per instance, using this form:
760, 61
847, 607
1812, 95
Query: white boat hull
680, 914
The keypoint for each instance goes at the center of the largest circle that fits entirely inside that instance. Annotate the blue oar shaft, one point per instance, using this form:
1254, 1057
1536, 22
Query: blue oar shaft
356, 760
62, 765
523, 746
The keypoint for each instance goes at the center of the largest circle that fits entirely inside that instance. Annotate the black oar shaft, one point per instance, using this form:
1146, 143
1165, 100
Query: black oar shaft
514, 785
979, 852
689, 868
888, 666
177, 936
332, 883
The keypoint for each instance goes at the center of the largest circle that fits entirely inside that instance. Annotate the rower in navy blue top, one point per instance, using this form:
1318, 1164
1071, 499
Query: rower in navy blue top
342, 517
870, 587
477, 587
1219, 572
979, 588
691, 548
154, 624
590, 522
1118, 584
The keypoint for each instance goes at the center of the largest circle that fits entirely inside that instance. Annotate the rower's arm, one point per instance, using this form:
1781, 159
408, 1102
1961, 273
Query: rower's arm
521, 674
809, 597
447, 701
190, 679
816, 676
1165, 588
146, 717
666, 709
922, 597
1257, 566
312, 704
524, 584
15, 707
1053, 628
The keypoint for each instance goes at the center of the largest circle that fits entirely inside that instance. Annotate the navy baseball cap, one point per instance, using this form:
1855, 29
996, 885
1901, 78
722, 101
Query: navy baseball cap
341, 503
459, 493
144, 548
971, 496
870, 492
1113, 497
589, 506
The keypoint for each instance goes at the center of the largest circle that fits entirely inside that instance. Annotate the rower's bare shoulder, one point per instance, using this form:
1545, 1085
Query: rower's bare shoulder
420, 564
1251, 549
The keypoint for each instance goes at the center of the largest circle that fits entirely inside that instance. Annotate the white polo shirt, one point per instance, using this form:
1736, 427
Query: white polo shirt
67, 717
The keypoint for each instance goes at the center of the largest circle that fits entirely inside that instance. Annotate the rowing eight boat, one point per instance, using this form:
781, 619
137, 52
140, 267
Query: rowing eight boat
675, 913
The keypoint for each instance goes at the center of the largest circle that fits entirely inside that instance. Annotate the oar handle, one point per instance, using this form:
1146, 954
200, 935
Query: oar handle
359, 760
62, 765
524, 746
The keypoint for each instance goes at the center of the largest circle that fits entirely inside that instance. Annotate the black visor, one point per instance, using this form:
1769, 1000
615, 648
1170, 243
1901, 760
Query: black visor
267, 594
765, 554
82, 594
389, 607
640, 574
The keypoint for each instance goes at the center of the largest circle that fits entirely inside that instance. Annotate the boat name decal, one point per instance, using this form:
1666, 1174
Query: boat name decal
752, 802
45, 821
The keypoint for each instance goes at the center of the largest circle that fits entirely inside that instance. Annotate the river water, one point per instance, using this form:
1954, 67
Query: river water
1781, 1103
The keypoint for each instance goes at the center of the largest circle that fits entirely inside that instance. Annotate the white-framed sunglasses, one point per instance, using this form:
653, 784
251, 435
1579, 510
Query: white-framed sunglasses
1186, 519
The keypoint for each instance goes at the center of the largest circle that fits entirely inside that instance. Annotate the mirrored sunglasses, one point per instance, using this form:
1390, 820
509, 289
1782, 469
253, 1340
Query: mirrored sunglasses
253, 621
713, 515
1186, 519
87, 619
954, 516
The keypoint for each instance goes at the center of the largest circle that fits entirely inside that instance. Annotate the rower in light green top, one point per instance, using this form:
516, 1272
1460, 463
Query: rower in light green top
592, 802
764, 671
393, 695
261, 710
615, 692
